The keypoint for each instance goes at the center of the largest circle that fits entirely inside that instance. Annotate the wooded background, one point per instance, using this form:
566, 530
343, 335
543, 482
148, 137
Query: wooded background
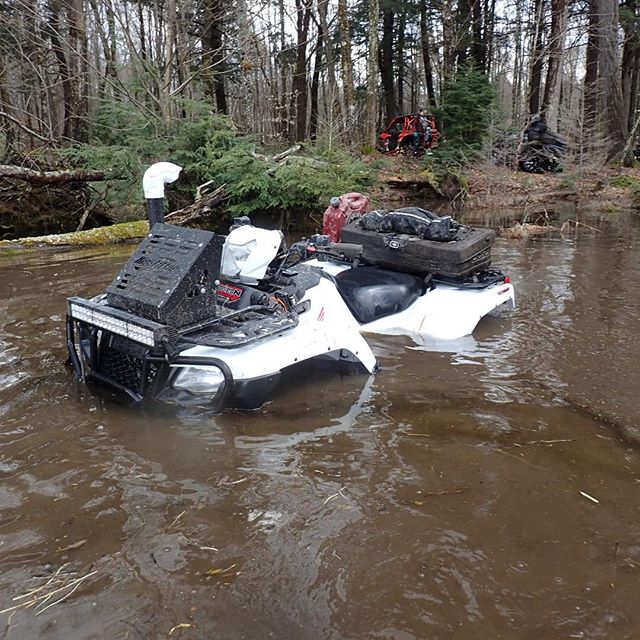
291, 70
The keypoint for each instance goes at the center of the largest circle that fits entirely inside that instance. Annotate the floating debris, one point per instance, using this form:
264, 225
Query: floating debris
588, 497
335, 495
182, 625
60, 582
71, 547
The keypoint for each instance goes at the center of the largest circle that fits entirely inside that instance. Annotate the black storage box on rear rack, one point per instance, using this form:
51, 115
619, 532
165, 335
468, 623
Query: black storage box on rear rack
460, 258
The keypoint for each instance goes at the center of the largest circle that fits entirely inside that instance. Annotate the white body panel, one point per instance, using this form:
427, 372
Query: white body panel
325, 329
444, 313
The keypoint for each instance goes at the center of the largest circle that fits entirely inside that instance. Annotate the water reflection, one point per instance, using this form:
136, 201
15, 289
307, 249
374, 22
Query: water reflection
439, 498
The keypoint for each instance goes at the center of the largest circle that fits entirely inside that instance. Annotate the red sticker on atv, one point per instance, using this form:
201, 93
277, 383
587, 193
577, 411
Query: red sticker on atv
229, 292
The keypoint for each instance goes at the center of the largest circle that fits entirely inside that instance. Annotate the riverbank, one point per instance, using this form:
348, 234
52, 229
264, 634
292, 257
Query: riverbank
483, 194
597, 189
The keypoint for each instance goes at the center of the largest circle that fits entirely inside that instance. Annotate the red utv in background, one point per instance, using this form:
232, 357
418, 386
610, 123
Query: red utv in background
410, 134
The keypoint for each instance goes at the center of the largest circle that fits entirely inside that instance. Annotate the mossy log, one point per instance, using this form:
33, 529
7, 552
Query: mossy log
98, 236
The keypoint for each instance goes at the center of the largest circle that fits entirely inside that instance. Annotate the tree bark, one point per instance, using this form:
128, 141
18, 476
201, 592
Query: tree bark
590, 101
448, 41
332, 93
300, 91
426, 53
478, 50
345, 56
77, 61
630, 70
463, 25
371, 126
315, 88
400, 58
535, 79
609, 92
212, 52
386, 63
54, 31
554, 67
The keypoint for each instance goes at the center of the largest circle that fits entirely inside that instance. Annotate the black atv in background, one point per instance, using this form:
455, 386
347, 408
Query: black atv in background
541, 149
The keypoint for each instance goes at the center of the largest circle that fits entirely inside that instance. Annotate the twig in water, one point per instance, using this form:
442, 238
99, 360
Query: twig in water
176, 519
588, 497
71, 547
64, 597
335, 495
182, 625
581, 224
44, 597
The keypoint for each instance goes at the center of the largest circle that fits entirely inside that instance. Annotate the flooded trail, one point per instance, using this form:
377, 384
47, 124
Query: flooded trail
466, 491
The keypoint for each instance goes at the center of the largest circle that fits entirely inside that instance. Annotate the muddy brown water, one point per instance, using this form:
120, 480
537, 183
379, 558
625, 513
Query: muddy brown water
440, 498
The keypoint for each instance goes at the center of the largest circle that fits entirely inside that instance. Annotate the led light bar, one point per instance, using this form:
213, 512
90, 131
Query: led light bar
114, 321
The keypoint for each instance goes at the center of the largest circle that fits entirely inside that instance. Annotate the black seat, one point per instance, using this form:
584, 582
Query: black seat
372, 293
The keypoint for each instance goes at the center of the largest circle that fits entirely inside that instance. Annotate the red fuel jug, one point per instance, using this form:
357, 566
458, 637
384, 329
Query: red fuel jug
342, 210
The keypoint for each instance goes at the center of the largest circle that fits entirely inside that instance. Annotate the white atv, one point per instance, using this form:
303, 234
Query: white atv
195, 318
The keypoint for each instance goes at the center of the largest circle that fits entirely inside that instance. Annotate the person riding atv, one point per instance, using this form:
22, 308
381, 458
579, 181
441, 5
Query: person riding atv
541, 149
410, 134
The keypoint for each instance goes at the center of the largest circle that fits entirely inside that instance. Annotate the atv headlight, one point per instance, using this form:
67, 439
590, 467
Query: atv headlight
199, 380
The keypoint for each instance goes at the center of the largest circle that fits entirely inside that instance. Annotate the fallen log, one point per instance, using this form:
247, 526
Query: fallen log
51, 177
123, 232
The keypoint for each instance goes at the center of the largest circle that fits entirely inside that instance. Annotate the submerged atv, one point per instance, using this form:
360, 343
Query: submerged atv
196, 318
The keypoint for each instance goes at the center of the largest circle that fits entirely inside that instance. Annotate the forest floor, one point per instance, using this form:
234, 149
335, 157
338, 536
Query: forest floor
489, 189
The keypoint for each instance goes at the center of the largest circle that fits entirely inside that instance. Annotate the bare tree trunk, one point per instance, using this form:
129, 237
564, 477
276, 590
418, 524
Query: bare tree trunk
426, 53
283, 114
448, 41
77, 63
463, 25
386, 63
345, 55
630, 70
55, 29
535, 79
300, 96
143, 34
609, 92
590, 101
333, 93
371, 120
487, 36
549, 108
401, 53
478, 47
212, 52
315, 88
517, 69
169, 57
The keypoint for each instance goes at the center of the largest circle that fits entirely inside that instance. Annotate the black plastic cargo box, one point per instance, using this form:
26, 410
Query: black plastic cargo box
460, 258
